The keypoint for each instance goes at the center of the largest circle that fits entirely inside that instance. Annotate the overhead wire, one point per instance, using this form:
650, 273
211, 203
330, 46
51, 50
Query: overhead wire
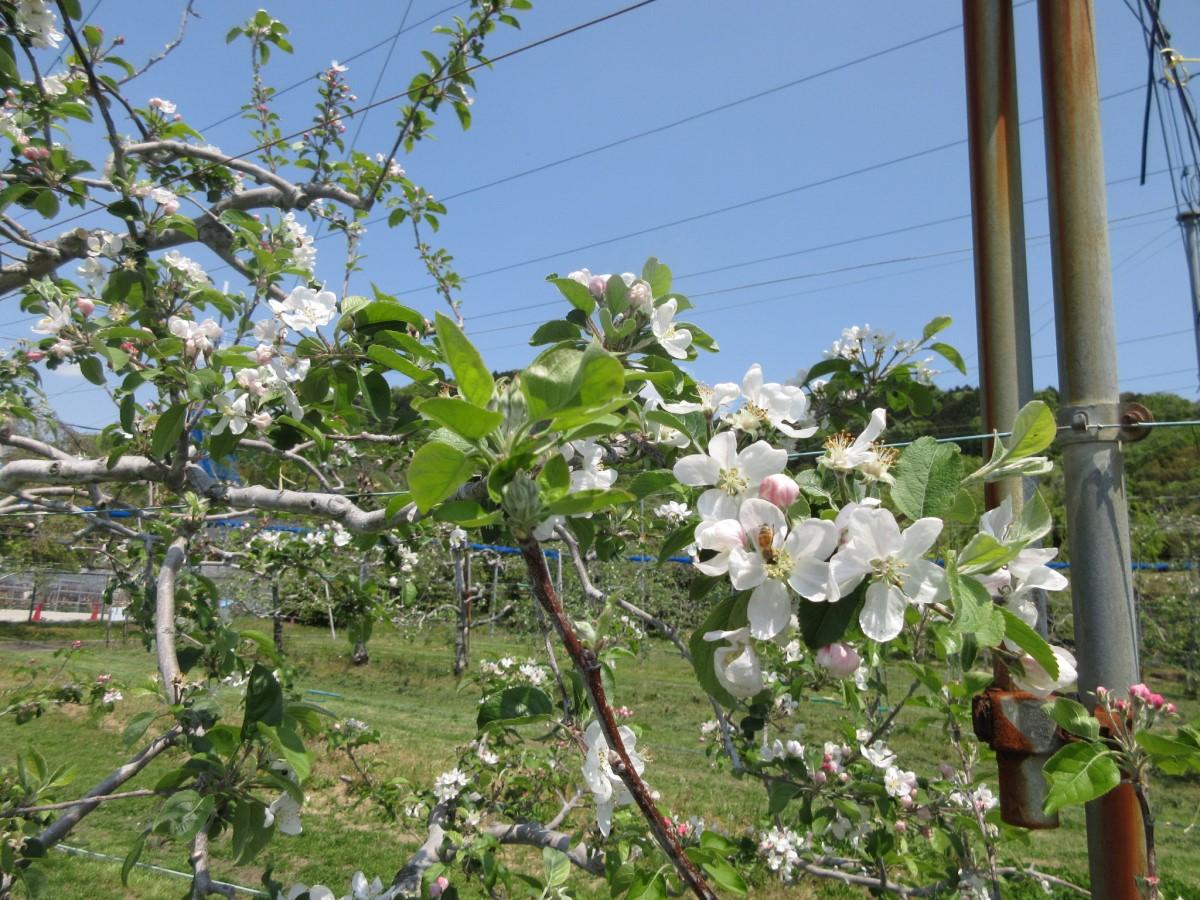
407, 93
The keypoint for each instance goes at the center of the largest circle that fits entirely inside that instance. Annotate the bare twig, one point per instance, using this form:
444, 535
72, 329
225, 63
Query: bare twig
67, 804
188, 12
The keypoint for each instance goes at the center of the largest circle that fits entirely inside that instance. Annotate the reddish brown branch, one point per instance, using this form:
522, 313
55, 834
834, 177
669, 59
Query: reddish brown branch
589, 668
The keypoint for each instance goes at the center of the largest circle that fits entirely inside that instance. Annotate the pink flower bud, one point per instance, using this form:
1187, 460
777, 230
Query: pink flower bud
843, 777
1156, 701
901, 827
1101, 692
31, 153
439, 885
906, 801
1139, 692
820, 777
1170, 709
839, 659
263, 354
779, 489
35, 356
596, 285
85, 305
75, 645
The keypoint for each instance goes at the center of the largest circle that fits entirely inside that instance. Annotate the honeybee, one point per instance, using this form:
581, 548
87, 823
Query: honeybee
766, 542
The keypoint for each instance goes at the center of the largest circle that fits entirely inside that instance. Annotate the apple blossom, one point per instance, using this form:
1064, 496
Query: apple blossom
438, 887
35, 356
105, 243
449, 785
781, 405
780, 557
607, 788
198, 339
736, 666
58, 317
305, 309
62, 348
845, 454
779, 489
878, 755
1037, 680
734, 473
674, 340
166, 107
284, 813
93, 273
893, 560
85, 305
839, 659
712, 399
166, 200
36, 20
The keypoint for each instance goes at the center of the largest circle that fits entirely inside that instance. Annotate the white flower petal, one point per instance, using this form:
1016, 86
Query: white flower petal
882, 615
769, 610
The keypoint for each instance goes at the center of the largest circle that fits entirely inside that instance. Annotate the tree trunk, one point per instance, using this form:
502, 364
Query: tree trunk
359, 655
463, 626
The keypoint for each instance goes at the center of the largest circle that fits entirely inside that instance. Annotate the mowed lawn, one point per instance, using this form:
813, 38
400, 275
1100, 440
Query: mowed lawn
409, 694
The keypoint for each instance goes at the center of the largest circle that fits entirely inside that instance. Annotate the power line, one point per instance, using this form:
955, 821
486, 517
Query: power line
524, 48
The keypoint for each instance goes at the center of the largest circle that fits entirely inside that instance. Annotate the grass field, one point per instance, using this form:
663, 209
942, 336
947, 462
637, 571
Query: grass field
408, 693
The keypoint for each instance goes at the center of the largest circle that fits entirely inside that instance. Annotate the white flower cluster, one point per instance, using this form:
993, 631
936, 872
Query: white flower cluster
35, 20
199, 338
978, 799
304, 250
449, 785
854, 340
507, 668
608, 790
360, 889
751, 407
191, 270
781, 848
305, 309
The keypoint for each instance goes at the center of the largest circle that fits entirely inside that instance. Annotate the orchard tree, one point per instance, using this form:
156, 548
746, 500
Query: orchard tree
812, 575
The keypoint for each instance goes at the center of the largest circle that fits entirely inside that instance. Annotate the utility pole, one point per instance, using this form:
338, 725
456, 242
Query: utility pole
1093, 467
1005, 364
1190, 223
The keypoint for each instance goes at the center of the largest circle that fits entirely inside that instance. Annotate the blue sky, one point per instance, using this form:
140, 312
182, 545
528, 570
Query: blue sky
675, 60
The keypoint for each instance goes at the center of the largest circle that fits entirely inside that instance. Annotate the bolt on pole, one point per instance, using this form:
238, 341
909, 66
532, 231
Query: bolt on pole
1012, 722
1093, 467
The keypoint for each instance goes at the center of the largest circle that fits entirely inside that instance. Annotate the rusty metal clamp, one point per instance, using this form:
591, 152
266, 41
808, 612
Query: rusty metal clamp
1023, 737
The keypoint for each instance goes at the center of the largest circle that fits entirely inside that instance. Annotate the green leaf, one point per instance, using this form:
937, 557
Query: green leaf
264, 698
290, 746
436, 471
648, 886
588, 501
514, 706
168, 430
975, 613
549, 382
379, 395
1073, 717
936, 324
646, 483
1033, 431
601, 376
724, 875
949, 354
555, 477
386, 314
821, 624
250, 835
658, 276
461, 417
137, 727
92, 369
386, 356
183, 814
466, 512
728, 615
984, 553
554, 331
1173, 755
131, 858
557, 866
1030, 641
577, 294
473, 377
1078, 773
927, 478
1034, 522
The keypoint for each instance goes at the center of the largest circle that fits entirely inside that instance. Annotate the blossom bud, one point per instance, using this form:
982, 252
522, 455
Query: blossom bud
522, 502
32, 153
901, 827
597, 284
62, 348
1139, 692
906, 801
1156, 701
438, 886
820, 777
839, 659
263, 354
35, 356
1170, 709
843, 777
1101, 691
640, 296
85, 305
779, 489
260, 419
75, 645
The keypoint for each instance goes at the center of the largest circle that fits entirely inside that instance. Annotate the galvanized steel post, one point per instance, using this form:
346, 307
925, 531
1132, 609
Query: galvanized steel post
1023, 742
1097, 514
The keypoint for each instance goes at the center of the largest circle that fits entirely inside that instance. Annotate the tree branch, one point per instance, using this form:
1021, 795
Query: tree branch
267, 447
164, 616
62, 826
202, 882
171, 45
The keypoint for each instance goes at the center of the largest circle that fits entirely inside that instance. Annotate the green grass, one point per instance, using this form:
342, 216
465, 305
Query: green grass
408, 693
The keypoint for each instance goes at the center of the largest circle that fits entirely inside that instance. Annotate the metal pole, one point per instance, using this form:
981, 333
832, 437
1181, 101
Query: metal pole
1093, 467
1190, 222
1005, 359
